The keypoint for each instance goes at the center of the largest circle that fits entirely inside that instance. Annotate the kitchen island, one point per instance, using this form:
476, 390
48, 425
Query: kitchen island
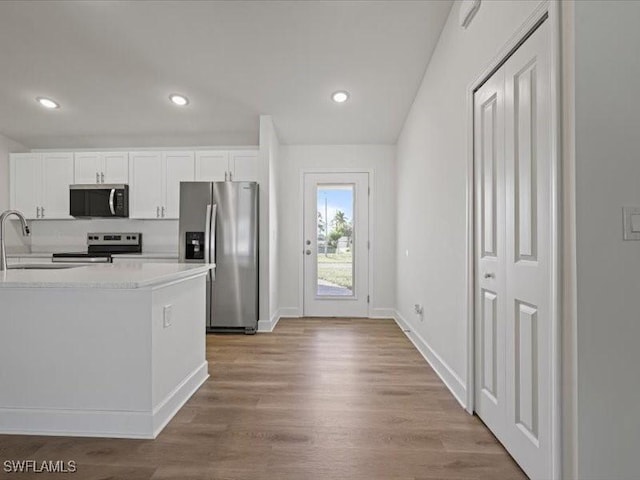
111, 350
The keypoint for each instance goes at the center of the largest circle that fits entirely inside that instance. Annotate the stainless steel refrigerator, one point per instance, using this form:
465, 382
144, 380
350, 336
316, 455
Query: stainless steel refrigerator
219, 224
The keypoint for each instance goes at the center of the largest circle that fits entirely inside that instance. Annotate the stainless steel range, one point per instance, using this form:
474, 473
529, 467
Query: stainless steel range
102, 246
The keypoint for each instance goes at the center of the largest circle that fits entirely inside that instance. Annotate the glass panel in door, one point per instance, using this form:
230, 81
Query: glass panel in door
335, 240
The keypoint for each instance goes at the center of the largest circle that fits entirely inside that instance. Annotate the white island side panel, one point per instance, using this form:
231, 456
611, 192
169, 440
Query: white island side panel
100, 361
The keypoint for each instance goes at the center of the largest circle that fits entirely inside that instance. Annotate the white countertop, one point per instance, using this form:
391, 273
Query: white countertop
153, 255
123, 275
160, 255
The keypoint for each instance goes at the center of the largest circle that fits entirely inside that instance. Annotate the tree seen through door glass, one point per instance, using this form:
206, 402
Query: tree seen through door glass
335, 240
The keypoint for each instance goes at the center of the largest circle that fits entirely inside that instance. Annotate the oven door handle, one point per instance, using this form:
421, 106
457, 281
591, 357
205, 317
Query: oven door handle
111, 198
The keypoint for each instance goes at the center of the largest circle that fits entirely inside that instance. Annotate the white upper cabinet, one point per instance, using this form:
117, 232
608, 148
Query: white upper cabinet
227, 165
87, 167
155, 183
145, 189
57, 175
178, 167
101, 167
40, 181
212, 166
243, 165
26, 182
40, 184
115, 166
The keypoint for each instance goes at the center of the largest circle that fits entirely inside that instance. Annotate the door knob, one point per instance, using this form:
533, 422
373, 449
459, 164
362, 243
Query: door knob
489, 275
308, 252
308, 242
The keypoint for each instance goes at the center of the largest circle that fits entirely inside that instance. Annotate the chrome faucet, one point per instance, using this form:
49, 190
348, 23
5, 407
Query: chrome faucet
25, 231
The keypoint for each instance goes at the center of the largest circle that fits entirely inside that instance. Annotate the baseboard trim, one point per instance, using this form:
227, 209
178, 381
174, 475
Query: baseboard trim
166, 410
290, 312
267, 326
382, 313
102, 423
450, 378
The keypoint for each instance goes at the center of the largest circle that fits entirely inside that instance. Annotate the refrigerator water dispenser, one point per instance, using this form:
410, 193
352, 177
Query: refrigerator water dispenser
194, 242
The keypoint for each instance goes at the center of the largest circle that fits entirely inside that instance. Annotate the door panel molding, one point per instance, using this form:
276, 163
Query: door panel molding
527, 252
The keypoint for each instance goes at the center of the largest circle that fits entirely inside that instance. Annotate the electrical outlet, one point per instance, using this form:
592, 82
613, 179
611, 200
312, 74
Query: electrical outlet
419, 310
167, 315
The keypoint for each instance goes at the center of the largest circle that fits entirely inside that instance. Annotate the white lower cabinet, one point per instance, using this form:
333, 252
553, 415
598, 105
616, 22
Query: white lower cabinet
40, 184
155, 183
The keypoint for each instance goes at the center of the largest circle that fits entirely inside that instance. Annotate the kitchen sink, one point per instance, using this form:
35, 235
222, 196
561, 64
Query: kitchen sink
41, 266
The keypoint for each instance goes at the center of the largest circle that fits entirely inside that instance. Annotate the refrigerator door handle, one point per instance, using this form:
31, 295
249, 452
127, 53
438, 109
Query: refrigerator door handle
207, 234
212, 235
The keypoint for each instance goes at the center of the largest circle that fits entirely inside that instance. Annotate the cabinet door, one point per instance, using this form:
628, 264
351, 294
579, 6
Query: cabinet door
145, 192
178, 167
243, 165
57, 175
115, 166
211, 166
87, 167
26, 183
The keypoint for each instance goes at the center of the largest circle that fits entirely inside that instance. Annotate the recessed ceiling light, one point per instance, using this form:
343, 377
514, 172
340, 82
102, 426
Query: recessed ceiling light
340, 96
47, 102
179, 100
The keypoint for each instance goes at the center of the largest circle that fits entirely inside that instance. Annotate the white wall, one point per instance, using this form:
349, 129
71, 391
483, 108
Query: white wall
274, 258
293, 160
431, 185
71, 235
14, 240
607, 115
269, 265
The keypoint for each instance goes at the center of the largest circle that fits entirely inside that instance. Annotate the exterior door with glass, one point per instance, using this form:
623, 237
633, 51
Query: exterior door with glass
336, 244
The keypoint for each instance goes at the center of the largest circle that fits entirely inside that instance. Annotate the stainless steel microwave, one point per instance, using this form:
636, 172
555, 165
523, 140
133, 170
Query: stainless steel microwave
99, 200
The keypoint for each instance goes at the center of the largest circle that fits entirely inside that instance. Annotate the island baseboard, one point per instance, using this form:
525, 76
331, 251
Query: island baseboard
166, 410
100, 423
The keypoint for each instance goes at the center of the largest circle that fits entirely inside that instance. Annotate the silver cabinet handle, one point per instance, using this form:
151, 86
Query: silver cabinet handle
41, 212
157, 212
37, 212
112, 207
308, 252
163, 209
97, 177
102, 177
226, 175
231, 176
489, 275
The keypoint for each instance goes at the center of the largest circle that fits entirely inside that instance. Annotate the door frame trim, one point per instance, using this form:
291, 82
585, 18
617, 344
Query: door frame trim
372, 243
550, 9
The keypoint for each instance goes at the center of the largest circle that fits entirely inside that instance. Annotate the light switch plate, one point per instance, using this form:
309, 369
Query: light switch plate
167, 315
631, 223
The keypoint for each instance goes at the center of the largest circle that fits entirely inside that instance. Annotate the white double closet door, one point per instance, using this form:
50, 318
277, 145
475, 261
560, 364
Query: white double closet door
513, 282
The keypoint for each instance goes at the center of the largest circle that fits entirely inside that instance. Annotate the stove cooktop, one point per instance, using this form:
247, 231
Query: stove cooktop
101, 247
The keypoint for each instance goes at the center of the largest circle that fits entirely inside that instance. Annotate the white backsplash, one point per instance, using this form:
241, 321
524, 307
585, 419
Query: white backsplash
71, 235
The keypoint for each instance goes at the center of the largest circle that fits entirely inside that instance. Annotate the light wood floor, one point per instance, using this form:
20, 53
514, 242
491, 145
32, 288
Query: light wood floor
326, 399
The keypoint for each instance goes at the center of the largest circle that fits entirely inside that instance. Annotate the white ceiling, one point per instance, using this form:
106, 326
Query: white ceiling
111, 65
